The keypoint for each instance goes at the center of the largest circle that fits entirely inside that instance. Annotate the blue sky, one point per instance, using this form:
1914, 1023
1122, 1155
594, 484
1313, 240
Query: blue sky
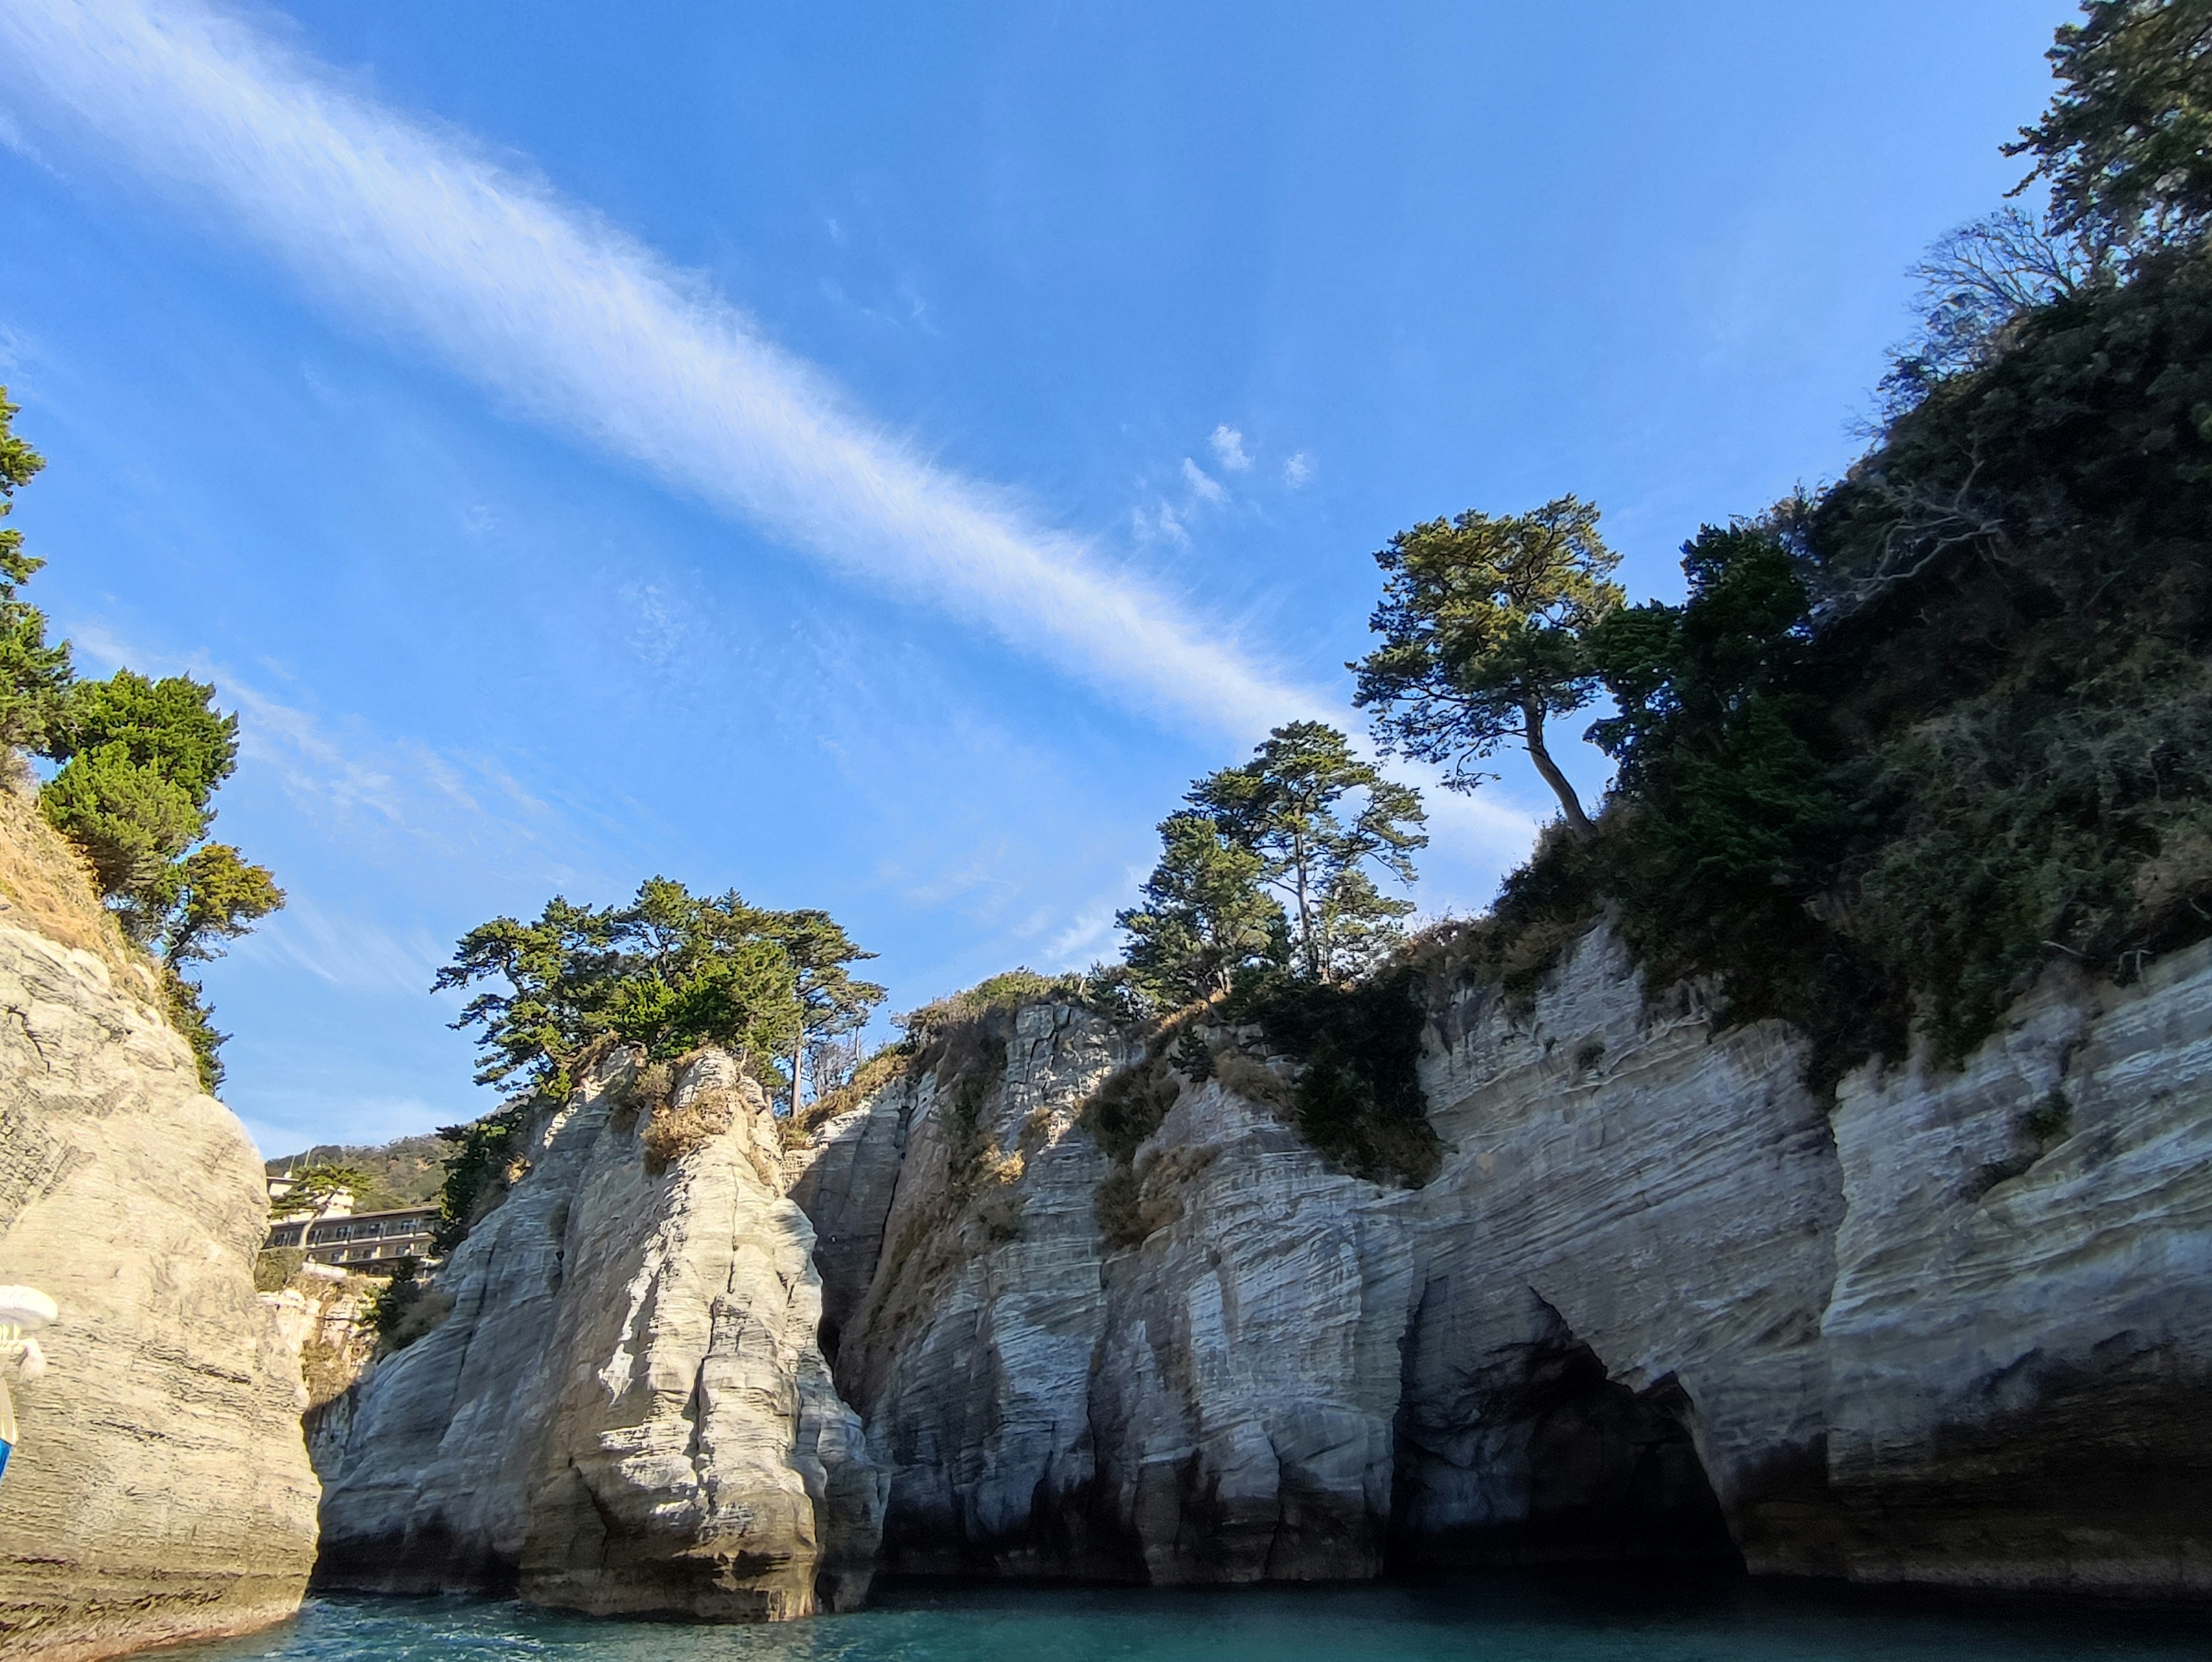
875, 455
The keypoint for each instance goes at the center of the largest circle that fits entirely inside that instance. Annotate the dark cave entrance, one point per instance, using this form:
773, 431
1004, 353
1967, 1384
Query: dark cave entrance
1541, 1458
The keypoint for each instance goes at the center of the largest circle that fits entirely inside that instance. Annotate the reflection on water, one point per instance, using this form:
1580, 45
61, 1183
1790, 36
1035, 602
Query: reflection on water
1579, 1619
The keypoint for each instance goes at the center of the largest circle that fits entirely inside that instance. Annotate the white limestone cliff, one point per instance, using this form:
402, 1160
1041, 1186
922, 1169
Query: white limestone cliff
1660, 1301
161, 1490
626, 1410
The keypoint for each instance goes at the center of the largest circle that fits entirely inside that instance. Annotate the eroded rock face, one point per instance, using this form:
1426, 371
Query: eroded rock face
1215, 1404
161, 1489
2019, 1343
1627, 1254
1246, 1387
626, 1410
969, 1352
1660, 1302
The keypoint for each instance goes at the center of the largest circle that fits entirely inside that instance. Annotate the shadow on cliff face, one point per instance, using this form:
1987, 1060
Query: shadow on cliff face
1541, 1458
424, 1561
2075, 1467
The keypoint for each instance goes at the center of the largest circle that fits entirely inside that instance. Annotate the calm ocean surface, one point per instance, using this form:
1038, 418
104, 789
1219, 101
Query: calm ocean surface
1500, 1621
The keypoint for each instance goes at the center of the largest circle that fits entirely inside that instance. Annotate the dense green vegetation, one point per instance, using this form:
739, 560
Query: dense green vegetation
139, 762
1484, 623
406, 1172
668, 973
1906, 743
1305, 819
1263, 930
1358, 1098
483, 1157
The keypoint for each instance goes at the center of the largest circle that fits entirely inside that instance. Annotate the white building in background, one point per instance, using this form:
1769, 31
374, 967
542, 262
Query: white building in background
334, 1233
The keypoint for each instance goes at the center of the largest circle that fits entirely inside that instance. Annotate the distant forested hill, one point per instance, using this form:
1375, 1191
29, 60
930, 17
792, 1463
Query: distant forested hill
405, 1173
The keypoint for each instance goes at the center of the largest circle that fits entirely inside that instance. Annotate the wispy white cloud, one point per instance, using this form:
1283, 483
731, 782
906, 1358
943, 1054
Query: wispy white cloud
1161, 525
1202, 484
1086, 937
413, 231
392, 794
410, 230
346, 953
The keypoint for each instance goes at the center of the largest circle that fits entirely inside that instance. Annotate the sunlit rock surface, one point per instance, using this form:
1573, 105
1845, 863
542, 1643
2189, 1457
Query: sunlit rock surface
626, 1409
971, 1348
161, 1490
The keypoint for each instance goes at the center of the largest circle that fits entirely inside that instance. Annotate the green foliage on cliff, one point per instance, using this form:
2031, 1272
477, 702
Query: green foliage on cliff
140, 761
483, 1158
1321, 823
1204, 917
1304, 818
2126, 145
1358, 1095
670, 973
1907, 743
33, 673
1484, 622
404, 1308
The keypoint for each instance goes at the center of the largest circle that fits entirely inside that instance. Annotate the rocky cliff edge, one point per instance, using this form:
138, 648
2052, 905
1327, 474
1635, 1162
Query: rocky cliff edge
625, 1409
161, 1490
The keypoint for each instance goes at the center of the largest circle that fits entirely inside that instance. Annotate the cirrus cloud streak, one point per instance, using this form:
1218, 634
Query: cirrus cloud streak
412, 231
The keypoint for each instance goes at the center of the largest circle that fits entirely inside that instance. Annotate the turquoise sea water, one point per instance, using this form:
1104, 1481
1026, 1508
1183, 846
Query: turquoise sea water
1578, 1620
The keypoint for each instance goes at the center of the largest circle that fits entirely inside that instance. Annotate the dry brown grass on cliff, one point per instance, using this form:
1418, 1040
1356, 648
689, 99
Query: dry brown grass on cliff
644, 1089
886, 1068
46, 889
675, 1131
1247, 1076
1135, 1202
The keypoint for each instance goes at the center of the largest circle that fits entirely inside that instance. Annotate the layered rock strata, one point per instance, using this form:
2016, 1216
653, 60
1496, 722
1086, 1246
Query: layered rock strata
161, 1490
1214, 1405
1660, 1302
626, 1409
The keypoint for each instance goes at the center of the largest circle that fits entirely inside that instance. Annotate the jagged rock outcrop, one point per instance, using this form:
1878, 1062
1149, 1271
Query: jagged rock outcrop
1215, 1404
969, 1354
1660, 1301
626, 1410
162, 1490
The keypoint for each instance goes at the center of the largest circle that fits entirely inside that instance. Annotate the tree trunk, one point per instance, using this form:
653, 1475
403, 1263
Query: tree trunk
1305, 914
1577, 822
797, 1056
